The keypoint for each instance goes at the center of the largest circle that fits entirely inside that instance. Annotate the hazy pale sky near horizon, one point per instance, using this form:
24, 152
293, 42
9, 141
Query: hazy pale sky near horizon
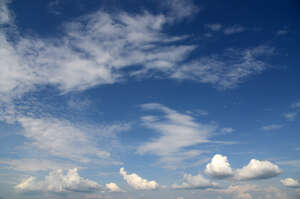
130, 99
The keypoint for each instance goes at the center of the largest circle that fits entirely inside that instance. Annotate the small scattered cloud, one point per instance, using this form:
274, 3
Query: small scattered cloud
291, 116
227, 130
195, 182
257, 169
58, 182
272, 127
214, 27
112, 187
219, 167
282, 32
290, 182
234, 29
296, 105
138, 183
239, 191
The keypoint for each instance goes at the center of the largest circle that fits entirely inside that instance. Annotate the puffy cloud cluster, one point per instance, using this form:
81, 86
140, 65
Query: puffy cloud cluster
219, 167
195, 182
240, 191
137, 182
57, 182
290, 182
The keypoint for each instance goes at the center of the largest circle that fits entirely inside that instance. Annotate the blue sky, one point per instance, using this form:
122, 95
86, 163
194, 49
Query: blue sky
178, 99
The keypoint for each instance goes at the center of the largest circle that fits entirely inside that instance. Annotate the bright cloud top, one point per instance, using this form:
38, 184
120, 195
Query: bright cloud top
257, 170
113, 187
57, 182
138, 183
219, 167
290, 182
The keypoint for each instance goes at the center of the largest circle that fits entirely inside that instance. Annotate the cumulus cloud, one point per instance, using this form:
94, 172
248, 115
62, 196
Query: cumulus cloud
257, 169
219, 167
57, 182
239, 191
272, 127
195, 182
137, 182
290, 182
177, 128
112, 187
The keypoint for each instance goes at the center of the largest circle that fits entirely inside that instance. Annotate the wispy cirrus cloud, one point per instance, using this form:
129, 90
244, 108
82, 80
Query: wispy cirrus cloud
179, 129
227, 70
103, 48
272, 127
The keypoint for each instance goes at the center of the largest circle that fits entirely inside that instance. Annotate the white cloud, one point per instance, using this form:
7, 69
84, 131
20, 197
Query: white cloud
296, 105
228, 69
60, 138
5, 15
234, 29
227, 130
282, 32
219, 167
180, 9
179, 129
257, 170
57, 182
239, 191
137, 182
112, 187
290, 116
290, 182
93, 51
214, 27
195, 182
34, 164
272, 127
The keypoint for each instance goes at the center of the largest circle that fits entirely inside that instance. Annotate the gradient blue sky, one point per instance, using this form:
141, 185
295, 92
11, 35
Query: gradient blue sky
175, 99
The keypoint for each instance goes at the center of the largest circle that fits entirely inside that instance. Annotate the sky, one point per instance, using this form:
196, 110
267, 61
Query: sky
129, 99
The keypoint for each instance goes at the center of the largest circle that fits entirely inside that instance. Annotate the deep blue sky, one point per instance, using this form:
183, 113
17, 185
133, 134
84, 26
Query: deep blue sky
193, 99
